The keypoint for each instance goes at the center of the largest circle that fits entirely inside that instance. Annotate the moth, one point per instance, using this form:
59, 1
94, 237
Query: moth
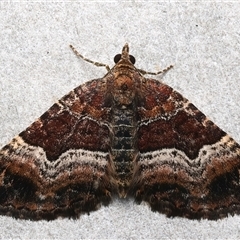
121, 135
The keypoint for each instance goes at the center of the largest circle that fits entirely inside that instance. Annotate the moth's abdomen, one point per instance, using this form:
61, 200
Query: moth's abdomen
123, 146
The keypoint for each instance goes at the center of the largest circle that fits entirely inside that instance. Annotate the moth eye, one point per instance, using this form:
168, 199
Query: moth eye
117, 58
132, 59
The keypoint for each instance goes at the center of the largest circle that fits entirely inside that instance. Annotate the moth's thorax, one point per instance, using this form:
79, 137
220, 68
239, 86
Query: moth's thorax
125, 83
124, 89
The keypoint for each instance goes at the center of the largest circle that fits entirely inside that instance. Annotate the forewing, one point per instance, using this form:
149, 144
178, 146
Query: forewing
60, 166
187, 165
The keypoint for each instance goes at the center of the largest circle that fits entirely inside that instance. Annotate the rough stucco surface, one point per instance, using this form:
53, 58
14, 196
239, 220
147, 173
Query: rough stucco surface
37, 67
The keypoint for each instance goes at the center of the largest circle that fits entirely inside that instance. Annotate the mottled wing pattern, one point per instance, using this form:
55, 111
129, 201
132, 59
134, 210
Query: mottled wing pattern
122, 134
187, 165
50, 169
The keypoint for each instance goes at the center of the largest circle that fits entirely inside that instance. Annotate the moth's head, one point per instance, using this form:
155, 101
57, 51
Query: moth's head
125, 56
